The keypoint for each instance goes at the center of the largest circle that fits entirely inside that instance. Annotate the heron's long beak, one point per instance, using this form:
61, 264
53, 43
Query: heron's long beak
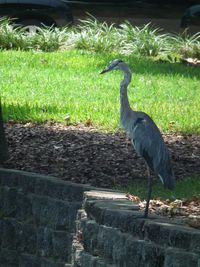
105, 70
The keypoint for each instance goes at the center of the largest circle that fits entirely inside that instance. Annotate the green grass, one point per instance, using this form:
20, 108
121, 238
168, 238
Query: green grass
38, 86
181, 190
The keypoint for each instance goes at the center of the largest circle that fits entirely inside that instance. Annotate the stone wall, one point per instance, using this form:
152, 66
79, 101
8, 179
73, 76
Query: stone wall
109, 234
47, 222
37, 219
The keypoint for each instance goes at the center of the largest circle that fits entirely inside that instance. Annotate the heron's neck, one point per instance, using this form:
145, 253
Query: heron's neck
124, 103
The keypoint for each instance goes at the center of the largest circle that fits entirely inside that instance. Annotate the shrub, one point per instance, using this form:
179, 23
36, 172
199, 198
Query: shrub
144, 40
12, 37
186, 45
95, 36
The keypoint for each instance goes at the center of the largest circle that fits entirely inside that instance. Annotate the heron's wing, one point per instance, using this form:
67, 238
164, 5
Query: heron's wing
149, 144
146, 139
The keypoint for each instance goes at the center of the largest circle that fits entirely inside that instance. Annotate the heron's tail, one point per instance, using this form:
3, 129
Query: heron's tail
168, 179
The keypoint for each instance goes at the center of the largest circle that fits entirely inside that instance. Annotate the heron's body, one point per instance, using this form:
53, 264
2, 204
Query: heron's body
145, 135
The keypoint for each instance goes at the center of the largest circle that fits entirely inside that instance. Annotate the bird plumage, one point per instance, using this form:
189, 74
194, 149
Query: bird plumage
149, 144
145, 135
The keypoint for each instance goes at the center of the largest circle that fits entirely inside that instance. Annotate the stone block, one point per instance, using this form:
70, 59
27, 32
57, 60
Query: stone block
26, 182
102, 195
181, 258
8, 177
89, 230
7, 201
8, 238
18, 236
56, 188
88, 260
53, 263
151, 255
48, 187
9, 258
44, 242
27, 260
62, 243
1, 230
195, 242
74, 191
157, 232
49, 212
24, 208
97, 209
180, 237
120, 248
73, 209
26, 240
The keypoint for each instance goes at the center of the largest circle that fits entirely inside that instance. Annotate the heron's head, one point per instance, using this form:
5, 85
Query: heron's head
116, 64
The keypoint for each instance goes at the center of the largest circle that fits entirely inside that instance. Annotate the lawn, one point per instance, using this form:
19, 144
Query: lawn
39, 86
180, 192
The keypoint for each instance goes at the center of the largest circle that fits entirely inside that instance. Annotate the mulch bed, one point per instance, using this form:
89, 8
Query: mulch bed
84, 155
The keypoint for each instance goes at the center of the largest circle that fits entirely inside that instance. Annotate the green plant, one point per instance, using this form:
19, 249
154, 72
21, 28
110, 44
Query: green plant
96, 36
12, 37
186, 45
146, 40
49, 39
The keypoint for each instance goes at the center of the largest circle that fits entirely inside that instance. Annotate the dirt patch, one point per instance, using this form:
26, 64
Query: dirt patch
84, 155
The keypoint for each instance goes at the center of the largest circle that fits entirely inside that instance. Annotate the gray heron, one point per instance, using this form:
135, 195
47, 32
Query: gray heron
145, 135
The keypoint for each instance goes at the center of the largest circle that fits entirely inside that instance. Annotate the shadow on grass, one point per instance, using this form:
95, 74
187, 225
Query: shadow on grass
26, 113
144, 65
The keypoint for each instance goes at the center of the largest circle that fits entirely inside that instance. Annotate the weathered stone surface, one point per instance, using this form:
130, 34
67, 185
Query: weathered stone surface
9, 258
50, 212
26, 238
61, 243
118, 248
181, 258
9, 177
113, 231
39, 217
91, 261
73, 209
18, 236
1, 231
8, 201
53, 263
27, 260
195, 242
44, 241
26, 182
37, 220
8, 238
94, 194
24, 208
59, 189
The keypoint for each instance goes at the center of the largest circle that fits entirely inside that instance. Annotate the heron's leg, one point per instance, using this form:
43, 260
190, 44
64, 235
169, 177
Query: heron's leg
148, 193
